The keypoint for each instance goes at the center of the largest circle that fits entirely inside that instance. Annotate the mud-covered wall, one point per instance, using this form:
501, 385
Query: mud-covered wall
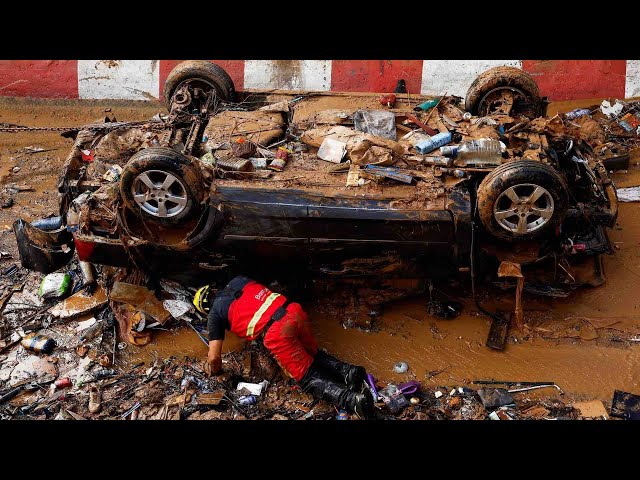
143, 79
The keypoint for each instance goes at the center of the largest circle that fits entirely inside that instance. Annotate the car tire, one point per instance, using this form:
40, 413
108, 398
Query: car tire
500, 78
161, 185
199, 71
506, 208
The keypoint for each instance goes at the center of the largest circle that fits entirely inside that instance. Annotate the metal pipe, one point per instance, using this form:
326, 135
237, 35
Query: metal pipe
536, 387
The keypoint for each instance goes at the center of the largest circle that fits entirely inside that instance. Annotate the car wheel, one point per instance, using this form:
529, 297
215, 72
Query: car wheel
485, 95
189, 80
161, 185
522, 200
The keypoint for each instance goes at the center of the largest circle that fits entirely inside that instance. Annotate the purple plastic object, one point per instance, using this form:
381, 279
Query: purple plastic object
409, 387
372, 386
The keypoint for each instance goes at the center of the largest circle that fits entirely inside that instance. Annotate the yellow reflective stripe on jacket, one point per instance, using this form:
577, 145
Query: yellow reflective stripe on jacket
258, 315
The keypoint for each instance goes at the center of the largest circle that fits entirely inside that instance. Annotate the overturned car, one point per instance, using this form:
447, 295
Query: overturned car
330, 185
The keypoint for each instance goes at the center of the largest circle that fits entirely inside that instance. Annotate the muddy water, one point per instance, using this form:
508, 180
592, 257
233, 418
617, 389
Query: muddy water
585, 369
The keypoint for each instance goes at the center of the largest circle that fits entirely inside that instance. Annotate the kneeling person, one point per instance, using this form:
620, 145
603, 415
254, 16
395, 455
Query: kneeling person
252, 311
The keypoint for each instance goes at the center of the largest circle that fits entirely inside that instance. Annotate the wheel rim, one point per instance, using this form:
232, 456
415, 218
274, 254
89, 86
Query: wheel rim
159, 193
523, 208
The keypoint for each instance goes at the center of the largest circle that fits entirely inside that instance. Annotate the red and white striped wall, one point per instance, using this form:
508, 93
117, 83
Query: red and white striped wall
144, 79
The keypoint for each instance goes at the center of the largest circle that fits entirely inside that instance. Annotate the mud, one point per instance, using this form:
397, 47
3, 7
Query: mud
439, 352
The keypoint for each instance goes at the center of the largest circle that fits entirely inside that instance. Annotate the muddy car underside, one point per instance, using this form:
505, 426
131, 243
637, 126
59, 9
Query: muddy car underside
187, 195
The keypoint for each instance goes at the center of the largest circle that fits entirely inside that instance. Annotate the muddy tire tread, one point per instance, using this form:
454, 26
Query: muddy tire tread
512, 173
169, 159
199, 69
497, 77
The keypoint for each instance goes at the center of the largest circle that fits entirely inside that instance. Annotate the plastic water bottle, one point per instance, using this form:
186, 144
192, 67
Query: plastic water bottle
48, 224
484, 151
434, 142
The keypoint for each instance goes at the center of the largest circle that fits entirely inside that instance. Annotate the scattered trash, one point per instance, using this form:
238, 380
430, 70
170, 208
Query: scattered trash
88, 155
536, 387
389, 172
177, 308
427, 105
499, 415
353, 177
95, 400
477, 153
332, 150
380, 123
85, 324
278, 163
235, 164
578, 112
141, 298
253, 388
401, 367
243, 149
393, 398
80, 303
494, 397
91, 332
609, 110
388, 100
625, 405
371, 384
407, 388
258, 163
629, 194
247, 400
55, 285
437, 394
38, 343
213, 398
105, 360
113, 173
10, 270
414, 401
131, 411
342, 415
63, 383
48, 224
434, 142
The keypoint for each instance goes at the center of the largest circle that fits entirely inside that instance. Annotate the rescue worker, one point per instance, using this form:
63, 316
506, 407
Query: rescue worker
254, 312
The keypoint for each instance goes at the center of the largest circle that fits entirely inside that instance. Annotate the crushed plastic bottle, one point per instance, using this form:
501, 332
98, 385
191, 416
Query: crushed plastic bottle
577, 113
434, 142
480, 152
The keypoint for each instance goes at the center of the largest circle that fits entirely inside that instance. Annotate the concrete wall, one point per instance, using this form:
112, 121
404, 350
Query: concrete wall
144, 79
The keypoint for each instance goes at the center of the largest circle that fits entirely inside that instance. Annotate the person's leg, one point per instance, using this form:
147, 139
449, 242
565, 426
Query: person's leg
283, 341
351, 375
321, 386
305, 333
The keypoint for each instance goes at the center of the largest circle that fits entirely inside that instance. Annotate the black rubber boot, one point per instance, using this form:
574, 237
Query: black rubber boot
352, 375
322, 387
